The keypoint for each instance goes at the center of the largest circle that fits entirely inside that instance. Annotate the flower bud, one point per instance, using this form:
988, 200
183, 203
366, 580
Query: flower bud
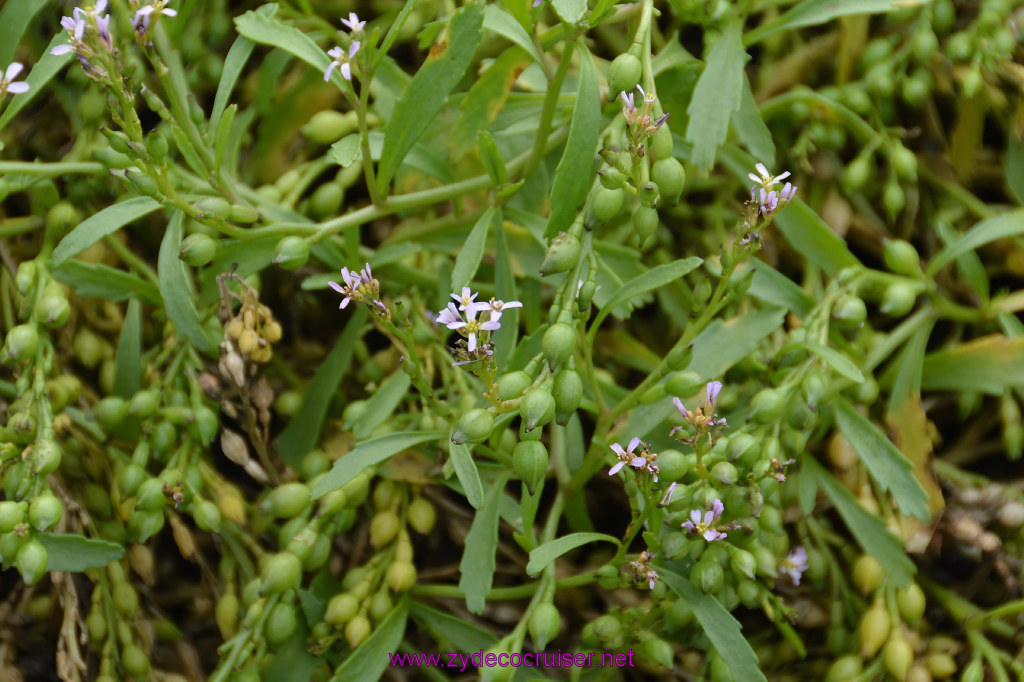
898, 656
568, 392
606, 204
558, 343
645, 222
530, 463
400, 576
282, 572
911, 602
45, 511
562, 254
22, 341
544, 625
649, 194
291, 252
357, 630
868, 574
670, 177
383, 528
287, 500
11, 514
537, 408
110, 411
197, 249
473, 427
873, 629
586, 295
31, 561
623, 74
342, 608
901, 257
421, 515
156, 146
512, 384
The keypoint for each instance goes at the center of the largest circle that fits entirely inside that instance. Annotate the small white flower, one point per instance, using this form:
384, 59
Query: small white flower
449, 316
766, 180
795, 564
497, 307
471, 327
8, 84
342, 61
142, 16
353, 23
466, 299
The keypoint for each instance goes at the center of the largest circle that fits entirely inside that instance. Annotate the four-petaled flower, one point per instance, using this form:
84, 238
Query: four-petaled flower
766, 180
341, 60
462, 316
705, 526
703, 417
449, 315
353, 23
76, 29
765, 196
794, 564
471, 327
497, 307
626, 457
360, 286
7, 82
640, 122
141, 21
467, 299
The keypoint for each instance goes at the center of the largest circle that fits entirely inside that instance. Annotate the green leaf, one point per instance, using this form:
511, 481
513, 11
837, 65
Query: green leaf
868, 529
576, 171
505, 285
128, 360
722, 344
70, 552
716, 96
95, 280
15, 18
429, 89
44, 70
887, 464
238, 55
835, 359
771, 286
1015, 167
176, 289
750, 126
814, 12
99, 225
477, 565
485, 99
812, 238
368, 662
911, 363
472, 251
719, 625
990, 365
346, 150
969, 267
449, 631
245, 257
291, 659
502, 23
303, 431
570, 11
368, 453
658, 276
261, 28
549, 551
382, 404
1009, 224
469, 477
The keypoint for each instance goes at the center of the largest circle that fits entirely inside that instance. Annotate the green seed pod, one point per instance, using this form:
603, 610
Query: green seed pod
287, 500
125, 598
10, 544
111, 411
657, 651
901, 257
974, 672
287, 403
25, 279
606, 204
207, 516
143, 525
31, 561
22, 341
421, 515
400, 576
119, 142
96, 627
672, 465
873, 630
142, 183
544, 625
857, 173
649, 194
163, 438
512, 384
850, 310
473, 427
607, 628
380, 606
868, 574
319, 554
326, 200
150, 495
911, 602
243, 214
357, 630
358, 488
558, 343
135, 662
744, 563
11, 514
226, 615
144, 403
898, 656
678, 616
328, 126
661, 143
845, 668
707, 576
383, 528
767, 405
156, 146
562, 254
904, 162
313, 464
685, 383
725, 473
856, 98
280, 623
282, 572
568, 392
197, 249
291, 252
670, 177
530, 463
623, 74
940, 665
899, 299
53, 308
537, 408
46, 457
674, 544
612, 179
45, 511
205, 425
893, 198
342, 608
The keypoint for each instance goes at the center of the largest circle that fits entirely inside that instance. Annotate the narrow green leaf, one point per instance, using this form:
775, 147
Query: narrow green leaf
223, 134
292, 659
485, 99
722, 629
44, 69
505, 284
886, 463
238, 55
15, 18
368, 453
263, 29
576, 171
95, 280
392, 35
1015, 166
472, 251
99, 225
806, 492
814, 12
969, 267
70, 552
303, 431
455, 634
429, 89
990, 365
549, 551
469, 477
911, 362
570, 11
868, 529
658, 276
835, 359
501, 22
176, 289
382, 404
751, 128
716, 96
368, 662
478, 562
771, 286
812, 238
345, 151
128, 360
1009, 224
722, 344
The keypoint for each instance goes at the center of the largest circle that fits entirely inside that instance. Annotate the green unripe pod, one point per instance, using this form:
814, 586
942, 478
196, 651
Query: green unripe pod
623, 74
873, 630
144, 403
649, 194
512, 384
562, 254
899, 299
357, 630
850, 310
606, 204
326, 200
291, 252
893, 198
911, 602
868, 574
904, 162
380, 606
608, 628
358, 488
197, 249
473, 427
670, 177
901, 257
313, 464
661, 143
31, 561
857, 99
645, 222
679, 615
537, 408
96, 627
207, 516
744, 563
204, 425
318, 554
142, 183
530, 463
53, 308
119, 141
974, 672
421, 515
215, 206
898, 656
156, 145
282, 572
558, 343
287, 500
22, 341
567, 391
135, 662
11, 514
767, 405
10, 544
243, 214
383, 528
685, 383
341, 609
25, 279
657, 651
585, 295
672, 465
612, 178
544, 625
45, 511
857, 174
288, 403
111, 411
280, 623
164, 437
707, 576
150, 495
400, 576
845, 668
941, 665
145, 524
45, 457
328, 126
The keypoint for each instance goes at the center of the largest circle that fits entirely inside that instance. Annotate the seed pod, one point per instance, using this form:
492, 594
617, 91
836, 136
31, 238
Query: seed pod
207, 516
857, 173
11, 514
911, 602
197, 249
226, 615
901, 257
156, 145
672, 466
421, 515
111, 411
904, 162
670, 177
623, 74
46, 456
868, 574
873, 629
537, 408
707, 576
31, 561
649, 194
282, 572
473, 427
280, 623
744, 563
512, 384
725, 473
204, 425
544, 625
25, 279
328, 126
383, 528
608, 628
562, 254
940, 665
144, 403
845, 668
357, 630
645, 222
530, 463
898, 656
45, 511
400, 576
558, 343
767, 405
657, 651
612, 178
606, 204
849, 310
893, 198
53, 308
567, 391
22, 341
291, 252
287, 500
342, 608
326, 200
679, 615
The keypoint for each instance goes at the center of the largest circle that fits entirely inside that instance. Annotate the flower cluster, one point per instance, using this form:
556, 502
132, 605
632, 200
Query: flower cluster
464, 319
142, 16
644, 461
339, 56
706, 525
77, 24
362, 288
642, 569
768, 199
7, 82
640, 123
702, 418
794, 564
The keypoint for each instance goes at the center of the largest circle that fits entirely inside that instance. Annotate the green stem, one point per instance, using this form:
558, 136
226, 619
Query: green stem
548, 114
503, 593
129, 258
51, 170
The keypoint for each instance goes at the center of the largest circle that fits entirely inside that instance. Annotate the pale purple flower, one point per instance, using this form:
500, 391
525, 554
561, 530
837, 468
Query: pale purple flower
666, 499
467, 299
766, 180
627, 98
652, 579
7, 82
687, 415
342, 61
705, 526
103, 29
536, 3
76, 29
711, 392
626, 456
449, 316
353, 23
94, 11
348, 289
795, 564
142, 16
497, 307
788, 192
